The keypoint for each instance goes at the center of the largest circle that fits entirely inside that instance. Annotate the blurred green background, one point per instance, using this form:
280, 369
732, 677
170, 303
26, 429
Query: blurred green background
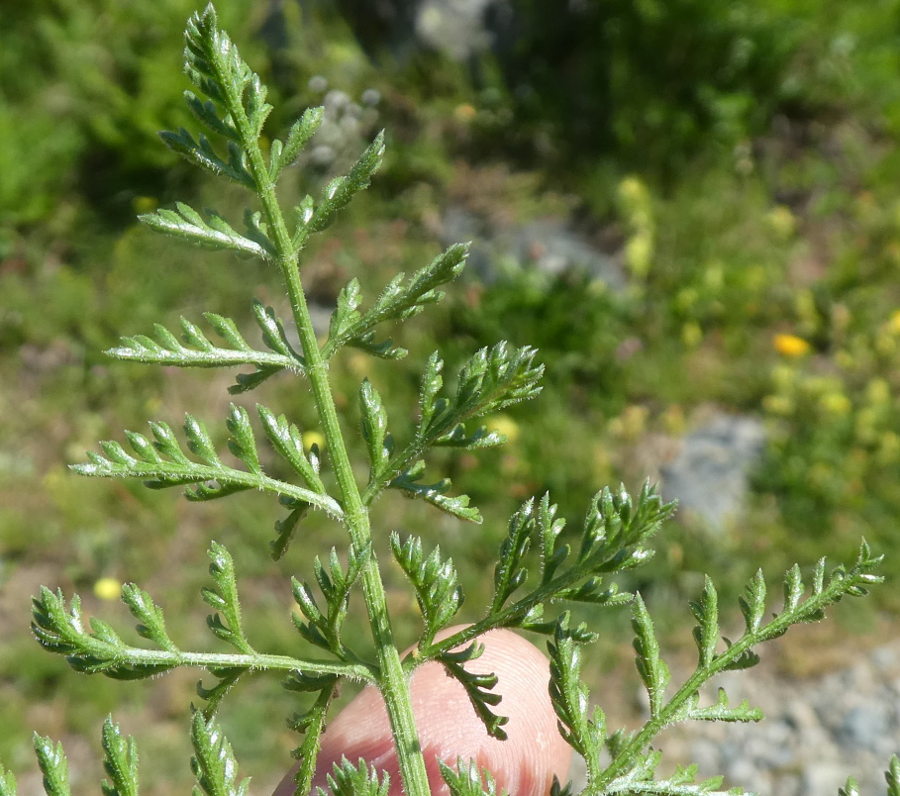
691, 207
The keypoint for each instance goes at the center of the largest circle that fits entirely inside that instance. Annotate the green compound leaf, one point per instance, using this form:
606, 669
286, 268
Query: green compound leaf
120, 762
226, 624
616, 526
509, 573
435, 581
346, 779
467, 780
403, 298
753, 603
374, 427
478, 688
337, 194
720, 711
151, 622
213, 763
215, 66
311, 724
826, 590
641, 779
892, 777
706, 612
202, 153
195, 350
491, 379
59, 628
215, 233
7, 782
282, 155
408, 483
162, 463
614, 530
52, 762
323, 628
288, 441
583, 732
650, 665
850, 788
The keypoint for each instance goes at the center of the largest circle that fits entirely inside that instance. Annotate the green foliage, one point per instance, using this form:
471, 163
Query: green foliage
120, 762
54, 766
213, 762
467, 780
539, 569
646, 81
347, 780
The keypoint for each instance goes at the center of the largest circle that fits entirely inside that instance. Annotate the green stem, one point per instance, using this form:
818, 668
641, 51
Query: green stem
230, 660
392, 680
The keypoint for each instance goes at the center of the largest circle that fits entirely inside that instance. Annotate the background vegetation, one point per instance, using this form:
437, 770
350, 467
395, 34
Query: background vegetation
738, 166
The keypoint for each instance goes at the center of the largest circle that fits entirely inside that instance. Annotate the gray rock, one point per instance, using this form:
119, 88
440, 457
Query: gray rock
817, 732
547, 246
709, 474
865, 726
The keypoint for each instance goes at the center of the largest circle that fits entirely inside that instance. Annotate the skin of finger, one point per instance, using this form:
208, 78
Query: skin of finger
449, 729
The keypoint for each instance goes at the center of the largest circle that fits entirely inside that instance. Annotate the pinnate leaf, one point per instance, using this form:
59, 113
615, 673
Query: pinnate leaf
7, 782
337, 194
213, 762
300, 134
54, 766
323, 628
403, 298
223, 597
650, 665
360, 780
478, 688
195, 349
435, 581
374, 427
215, 233
585, 733
435, 493
467, 780
163, 463
120, 762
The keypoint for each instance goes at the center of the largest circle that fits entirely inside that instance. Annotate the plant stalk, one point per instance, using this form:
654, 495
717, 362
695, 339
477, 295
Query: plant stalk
392, 681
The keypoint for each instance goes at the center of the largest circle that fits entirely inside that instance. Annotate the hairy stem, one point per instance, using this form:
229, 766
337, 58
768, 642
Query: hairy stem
232, 660
392, 680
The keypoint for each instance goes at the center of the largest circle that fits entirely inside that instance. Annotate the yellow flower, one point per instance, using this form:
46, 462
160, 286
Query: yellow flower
778, 404
691, 334
633, 190
835, 403
144, 204
894, 322
311, 438
505, 425
789, 345
639, 254
464, 112
108, 589
782, 221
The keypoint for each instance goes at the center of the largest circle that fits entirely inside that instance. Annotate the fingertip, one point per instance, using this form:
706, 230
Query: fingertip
450, 730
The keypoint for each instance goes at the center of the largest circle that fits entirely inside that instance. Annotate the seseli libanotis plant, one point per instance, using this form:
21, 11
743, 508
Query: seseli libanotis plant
538, 570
